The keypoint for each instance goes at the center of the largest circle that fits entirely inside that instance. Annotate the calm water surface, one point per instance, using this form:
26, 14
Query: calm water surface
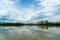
29, 33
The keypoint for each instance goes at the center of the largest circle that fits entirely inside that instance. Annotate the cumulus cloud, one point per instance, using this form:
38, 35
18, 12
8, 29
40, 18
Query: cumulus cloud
28, 10
49, 10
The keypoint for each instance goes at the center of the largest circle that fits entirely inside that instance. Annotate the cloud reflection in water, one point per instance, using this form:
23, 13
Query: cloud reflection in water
27, 33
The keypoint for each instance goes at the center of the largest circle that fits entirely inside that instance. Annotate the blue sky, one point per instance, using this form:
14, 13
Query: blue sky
29, 10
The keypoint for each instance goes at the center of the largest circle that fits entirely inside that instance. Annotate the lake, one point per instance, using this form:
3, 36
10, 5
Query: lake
29, 33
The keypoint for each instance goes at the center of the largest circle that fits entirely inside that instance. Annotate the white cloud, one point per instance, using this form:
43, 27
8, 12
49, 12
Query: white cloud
50, 3
55, 18
25, 14
49, 8
3, 12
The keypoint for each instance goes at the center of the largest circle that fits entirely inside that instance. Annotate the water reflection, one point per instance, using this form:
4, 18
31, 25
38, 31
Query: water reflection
43, 27
47, 27
29, 33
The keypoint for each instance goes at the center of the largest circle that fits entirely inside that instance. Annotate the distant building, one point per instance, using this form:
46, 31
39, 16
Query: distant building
46, 21
41, 22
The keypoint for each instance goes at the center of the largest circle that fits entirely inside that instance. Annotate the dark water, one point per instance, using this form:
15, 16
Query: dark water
30, 33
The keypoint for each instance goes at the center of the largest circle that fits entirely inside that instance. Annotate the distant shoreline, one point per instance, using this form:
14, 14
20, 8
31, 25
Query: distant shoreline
29, 24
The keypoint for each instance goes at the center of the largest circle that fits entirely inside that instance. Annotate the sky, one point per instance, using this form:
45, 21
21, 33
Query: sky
29, 10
